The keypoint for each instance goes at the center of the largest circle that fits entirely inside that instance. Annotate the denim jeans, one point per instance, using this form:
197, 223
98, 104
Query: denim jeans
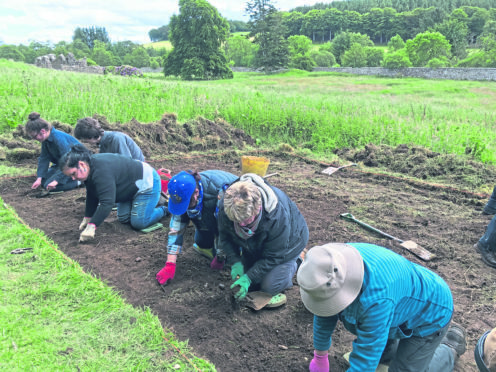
490, 207
420, 354
205, 239
65, 183
279, 278
142, 211
488, 240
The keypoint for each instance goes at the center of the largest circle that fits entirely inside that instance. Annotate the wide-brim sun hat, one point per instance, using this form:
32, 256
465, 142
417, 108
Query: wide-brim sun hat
330, 278
181, 187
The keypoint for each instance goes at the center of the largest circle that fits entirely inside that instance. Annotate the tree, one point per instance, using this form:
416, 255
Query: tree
355, 56
239, 49
79, 49
397, 59
88, 35
345, 40
159, 34
396, 43
456, 33
197, 35
100, 55
268, 30
374, 56
11, 52
302, 62
138, 58
299, 44
427, 45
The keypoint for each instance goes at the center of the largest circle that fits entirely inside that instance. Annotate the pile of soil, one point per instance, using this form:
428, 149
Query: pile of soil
197, 305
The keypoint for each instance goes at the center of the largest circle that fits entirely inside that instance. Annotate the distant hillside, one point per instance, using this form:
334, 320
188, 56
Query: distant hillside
159, 45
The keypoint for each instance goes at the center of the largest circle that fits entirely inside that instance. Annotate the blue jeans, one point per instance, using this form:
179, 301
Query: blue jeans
420, 354
65, 183
278, 279
205, 239
490, 207
488, 240
142, 211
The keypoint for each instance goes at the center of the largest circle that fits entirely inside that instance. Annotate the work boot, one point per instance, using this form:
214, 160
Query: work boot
455, 339
487, 255
276, 301
485, 352
205, 252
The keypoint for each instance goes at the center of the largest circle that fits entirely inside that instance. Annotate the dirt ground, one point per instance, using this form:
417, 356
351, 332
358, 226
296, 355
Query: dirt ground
197, 305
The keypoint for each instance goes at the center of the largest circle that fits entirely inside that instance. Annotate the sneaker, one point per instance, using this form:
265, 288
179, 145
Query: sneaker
205, 252
455, 338
276, 301
487, 256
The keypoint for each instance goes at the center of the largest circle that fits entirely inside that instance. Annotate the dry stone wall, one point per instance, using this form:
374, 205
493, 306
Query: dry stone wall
69, 63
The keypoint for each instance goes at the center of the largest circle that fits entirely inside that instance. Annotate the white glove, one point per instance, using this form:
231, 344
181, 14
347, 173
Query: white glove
88, 233
84, 223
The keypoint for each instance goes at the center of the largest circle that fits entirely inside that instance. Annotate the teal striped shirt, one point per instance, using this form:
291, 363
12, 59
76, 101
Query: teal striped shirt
399, 299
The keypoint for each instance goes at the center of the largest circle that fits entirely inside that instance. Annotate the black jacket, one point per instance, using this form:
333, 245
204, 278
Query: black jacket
280, 237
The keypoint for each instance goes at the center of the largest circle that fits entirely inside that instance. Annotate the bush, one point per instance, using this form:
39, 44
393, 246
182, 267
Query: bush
90, 62
302, 63
323, 58
398, 59
438, 62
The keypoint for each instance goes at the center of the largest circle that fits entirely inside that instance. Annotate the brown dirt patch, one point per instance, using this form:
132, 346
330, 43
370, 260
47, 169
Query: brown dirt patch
195, 307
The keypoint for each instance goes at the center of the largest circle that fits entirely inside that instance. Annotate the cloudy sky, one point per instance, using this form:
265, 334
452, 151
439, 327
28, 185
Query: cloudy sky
23, 21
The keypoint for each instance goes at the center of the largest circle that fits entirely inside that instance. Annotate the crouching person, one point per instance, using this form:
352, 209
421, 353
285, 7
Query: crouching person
114, 178
193, 197
262, 233
399, 311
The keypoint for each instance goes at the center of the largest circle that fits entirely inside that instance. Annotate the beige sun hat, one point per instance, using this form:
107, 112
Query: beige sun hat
330, 278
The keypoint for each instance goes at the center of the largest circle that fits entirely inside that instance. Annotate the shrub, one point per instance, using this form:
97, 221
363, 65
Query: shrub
302, 62
398, 59
438, 62
123, 70
322, 58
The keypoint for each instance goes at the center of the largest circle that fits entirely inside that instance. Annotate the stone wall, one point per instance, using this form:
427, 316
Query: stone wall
69, 63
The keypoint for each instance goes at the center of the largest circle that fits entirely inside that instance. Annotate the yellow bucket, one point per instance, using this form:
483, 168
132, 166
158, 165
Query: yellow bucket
254, 164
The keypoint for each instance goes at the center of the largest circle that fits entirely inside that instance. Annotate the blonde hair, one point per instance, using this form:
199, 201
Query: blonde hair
242, 200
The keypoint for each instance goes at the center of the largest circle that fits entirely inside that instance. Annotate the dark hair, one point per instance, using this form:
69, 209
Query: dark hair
76, 154
196, 175
88, 128
35, 123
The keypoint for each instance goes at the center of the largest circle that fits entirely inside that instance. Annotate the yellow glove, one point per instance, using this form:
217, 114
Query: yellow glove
84, 223
88, 233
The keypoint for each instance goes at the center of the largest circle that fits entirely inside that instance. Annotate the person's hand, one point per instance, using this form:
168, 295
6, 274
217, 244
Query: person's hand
165, 275
243, 283
36, 183
319, 363
52, 185
216, 264
237, 270
86, 220
88, 233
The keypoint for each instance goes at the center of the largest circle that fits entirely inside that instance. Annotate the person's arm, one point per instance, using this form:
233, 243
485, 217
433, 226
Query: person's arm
105, 190
177, 226
323, 327
43, 162
372, 335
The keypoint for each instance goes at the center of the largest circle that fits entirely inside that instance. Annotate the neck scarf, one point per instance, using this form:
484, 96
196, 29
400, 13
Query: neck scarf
246, 232
196, 213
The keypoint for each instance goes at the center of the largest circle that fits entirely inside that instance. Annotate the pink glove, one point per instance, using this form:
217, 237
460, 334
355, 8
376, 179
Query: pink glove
319, 363
165, 275
216, 264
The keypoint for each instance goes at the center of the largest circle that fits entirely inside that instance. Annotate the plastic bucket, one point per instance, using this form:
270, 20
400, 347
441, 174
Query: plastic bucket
165, 176
254, 164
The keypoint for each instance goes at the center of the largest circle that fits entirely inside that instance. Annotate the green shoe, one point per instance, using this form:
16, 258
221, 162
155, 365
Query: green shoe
205, 252
276, 301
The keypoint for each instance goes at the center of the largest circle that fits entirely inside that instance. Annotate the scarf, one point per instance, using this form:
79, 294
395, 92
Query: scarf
246, 232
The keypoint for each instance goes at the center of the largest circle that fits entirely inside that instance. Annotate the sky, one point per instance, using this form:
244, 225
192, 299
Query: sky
24, 21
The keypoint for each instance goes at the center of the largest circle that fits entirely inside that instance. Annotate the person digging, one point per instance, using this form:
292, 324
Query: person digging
262, 233
400, 312
193, 196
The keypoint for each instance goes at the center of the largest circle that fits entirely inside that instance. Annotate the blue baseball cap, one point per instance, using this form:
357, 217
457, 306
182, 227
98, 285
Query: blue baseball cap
181, 188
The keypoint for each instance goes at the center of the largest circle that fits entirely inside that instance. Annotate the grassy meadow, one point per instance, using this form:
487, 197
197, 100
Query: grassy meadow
56, 317
316, 111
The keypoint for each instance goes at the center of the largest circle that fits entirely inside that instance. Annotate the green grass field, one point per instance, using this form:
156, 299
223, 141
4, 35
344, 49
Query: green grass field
318, 111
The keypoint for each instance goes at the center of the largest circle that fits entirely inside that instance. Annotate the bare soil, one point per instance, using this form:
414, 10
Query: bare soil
197, 305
